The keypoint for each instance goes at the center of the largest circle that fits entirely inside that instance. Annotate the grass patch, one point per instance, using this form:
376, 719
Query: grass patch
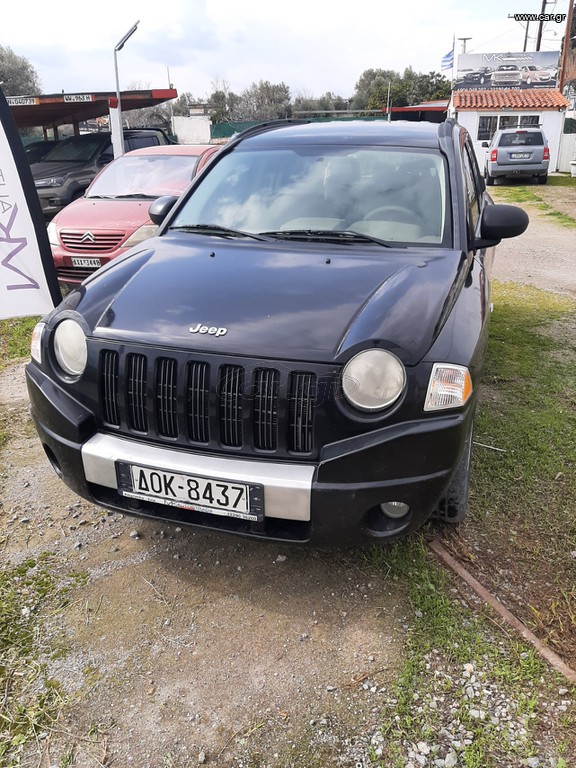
30, 700
532, 419
15, 337
523, 498
562, 181
456, 672
523, 195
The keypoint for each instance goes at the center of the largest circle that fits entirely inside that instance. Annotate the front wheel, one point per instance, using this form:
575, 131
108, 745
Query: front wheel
453, 506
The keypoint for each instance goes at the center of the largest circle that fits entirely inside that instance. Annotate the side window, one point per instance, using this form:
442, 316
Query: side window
471, 180
107, 155
137, 142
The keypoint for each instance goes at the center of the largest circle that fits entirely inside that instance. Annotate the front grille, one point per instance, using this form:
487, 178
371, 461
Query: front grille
222, 406
76, 274
88, 242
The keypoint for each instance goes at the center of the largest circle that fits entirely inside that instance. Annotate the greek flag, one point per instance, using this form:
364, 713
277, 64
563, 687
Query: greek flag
448, 60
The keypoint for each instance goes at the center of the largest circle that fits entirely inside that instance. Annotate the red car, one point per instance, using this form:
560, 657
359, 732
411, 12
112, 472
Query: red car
113, 214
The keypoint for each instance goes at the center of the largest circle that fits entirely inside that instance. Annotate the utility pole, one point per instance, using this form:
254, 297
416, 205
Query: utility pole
541, 24
464, 39
566, 46
526, 36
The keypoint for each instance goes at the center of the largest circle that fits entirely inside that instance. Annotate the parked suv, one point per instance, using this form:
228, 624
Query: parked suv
515, 152
68, 168
506, 75
296, 355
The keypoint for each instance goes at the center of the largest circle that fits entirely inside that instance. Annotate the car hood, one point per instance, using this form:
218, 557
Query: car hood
292, 301
43, 170
93, 215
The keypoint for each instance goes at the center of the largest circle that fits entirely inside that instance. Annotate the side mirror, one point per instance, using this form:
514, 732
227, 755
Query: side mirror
499, 222
485, 144
160, 207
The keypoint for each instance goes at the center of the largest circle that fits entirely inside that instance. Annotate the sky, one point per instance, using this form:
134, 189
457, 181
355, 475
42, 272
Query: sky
313, 46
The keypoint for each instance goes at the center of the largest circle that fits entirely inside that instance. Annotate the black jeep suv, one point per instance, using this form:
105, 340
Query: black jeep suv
67, 169
296, 354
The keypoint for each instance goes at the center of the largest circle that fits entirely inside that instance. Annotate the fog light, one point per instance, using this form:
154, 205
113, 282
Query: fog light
394, 509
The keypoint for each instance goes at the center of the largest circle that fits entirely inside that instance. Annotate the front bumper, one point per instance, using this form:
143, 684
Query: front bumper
50, 201
331, 502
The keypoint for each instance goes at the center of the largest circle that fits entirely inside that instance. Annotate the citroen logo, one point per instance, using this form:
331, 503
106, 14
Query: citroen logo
88, 237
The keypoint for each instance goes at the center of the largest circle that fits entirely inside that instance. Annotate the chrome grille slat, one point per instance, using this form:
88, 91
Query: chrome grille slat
266, 409
136, 393
230, 390
197, 397
301, 397
109, 387
166, 396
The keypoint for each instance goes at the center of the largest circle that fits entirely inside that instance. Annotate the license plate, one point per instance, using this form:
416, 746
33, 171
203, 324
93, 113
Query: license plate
80, 261
520, 155
213, 496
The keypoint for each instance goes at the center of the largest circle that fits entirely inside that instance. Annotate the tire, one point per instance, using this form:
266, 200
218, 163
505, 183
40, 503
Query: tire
453, 506
488, 179
543, 179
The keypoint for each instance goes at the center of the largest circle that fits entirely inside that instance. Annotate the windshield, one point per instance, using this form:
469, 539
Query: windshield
144, 175
75, 149
388, 193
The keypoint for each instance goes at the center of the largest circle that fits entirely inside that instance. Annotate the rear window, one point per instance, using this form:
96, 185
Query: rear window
521, 139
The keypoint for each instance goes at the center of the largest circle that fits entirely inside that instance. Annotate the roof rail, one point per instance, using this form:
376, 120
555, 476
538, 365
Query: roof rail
268, 126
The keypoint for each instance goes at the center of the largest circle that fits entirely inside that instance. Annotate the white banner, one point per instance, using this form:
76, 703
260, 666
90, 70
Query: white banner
28, 283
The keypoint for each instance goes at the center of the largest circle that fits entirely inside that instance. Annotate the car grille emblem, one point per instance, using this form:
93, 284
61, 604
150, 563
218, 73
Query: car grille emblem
88, 237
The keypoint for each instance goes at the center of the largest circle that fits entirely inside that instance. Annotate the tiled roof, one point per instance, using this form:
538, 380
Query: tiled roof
529, 98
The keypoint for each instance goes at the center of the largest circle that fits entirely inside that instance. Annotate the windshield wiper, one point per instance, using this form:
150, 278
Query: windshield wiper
135, 195
329, 236
216, 229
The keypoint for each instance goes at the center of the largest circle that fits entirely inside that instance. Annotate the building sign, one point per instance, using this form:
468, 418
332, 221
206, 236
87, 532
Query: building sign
22, 101
530, 69
28, 281
78, 97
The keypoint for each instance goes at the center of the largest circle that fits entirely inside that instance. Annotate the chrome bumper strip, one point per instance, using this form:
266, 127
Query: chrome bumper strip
287, 487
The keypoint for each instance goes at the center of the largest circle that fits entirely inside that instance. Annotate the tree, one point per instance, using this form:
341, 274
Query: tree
265, 101
223, 104
405, 90
18, 76
372, 84
327, 103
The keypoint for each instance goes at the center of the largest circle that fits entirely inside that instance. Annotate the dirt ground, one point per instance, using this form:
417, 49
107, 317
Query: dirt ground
187, 646
184, 648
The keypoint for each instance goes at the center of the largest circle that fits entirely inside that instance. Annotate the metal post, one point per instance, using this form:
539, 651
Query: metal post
117, 48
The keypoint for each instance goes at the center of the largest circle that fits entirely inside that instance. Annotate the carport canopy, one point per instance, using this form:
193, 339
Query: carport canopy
53, 110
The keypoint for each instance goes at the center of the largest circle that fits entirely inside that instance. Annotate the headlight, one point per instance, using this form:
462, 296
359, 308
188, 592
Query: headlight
70, 347
373, 380
141, 234
450, 386
53, 181
52, 234
36, 343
